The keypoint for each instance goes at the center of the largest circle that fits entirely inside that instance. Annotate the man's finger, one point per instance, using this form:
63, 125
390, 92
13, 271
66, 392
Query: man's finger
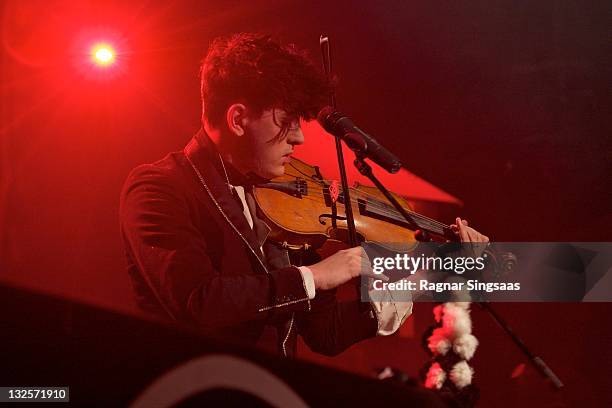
462, 231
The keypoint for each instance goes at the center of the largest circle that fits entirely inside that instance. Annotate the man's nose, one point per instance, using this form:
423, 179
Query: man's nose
296, 137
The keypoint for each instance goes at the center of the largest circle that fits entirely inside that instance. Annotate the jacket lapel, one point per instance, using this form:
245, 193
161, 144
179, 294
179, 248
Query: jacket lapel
202, 154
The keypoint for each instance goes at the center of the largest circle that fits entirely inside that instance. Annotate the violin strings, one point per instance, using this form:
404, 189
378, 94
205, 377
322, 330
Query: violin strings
386, 209
368, 194
375, 200
395, 215
389, 210
430, 227
321, 182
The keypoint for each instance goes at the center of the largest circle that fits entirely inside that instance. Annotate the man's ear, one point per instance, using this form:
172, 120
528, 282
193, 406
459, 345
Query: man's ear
236, 118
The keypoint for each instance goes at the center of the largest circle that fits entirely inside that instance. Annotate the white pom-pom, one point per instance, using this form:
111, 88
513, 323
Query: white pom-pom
465, 346
461, 374
435, 377
438, 342
456, 320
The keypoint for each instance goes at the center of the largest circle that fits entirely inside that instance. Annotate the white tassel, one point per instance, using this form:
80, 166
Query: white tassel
465, 346
461, 374
435, 377
456, 320
438, 342
456, 324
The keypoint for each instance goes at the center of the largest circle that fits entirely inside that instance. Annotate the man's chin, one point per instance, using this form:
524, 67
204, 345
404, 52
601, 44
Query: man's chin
280, 171
272, 172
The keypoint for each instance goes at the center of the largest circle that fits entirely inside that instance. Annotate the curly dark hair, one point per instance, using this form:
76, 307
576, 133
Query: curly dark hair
258, 71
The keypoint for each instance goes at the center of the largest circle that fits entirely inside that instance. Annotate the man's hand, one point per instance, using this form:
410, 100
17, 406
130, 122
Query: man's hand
470, 235
341, 267
467, 234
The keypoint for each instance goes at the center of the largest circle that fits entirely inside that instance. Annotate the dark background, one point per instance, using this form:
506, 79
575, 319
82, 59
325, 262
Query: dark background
503, 104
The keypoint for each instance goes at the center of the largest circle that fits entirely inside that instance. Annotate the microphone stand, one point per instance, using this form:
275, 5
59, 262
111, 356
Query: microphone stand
348, 208
537, 361
365, 169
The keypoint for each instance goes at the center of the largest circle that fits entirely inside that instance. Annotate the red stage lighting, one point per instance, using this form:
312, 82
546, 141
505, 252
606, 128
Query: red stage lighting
103, 54
100, 54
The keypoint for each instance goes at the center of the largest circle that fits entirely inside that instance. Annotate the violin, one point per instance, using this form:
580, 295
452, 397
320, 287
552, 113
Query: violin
306, 211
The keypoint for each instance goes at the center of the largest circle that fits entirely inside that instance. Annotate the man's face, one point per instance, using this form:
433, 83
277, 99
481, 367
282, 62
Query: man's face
270, 141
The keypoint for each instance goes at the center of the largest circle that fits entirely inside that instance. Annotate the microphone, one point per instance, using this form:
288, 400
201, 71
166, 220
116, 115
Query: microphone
357, 140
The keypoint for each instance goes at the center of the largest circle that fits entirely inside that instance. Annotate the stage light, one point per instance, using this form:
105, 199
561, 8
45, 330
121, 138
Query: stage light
103, 54
100, 54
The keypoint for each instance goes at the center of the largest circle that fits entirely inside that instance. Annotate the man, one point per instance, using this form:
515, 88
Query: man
197, 251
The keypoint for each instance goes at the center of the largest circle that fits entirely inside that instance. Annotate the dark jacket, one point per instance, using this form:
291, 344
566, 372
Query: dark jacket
193, 258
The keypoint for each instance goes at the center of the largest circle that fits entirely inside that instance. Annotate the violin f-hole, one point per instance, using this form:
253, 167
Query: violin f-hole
331, 216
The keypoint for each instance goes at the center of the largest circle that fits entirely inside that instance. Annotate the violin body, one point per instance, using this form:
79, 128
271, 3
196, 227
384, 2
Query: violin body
305, 211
